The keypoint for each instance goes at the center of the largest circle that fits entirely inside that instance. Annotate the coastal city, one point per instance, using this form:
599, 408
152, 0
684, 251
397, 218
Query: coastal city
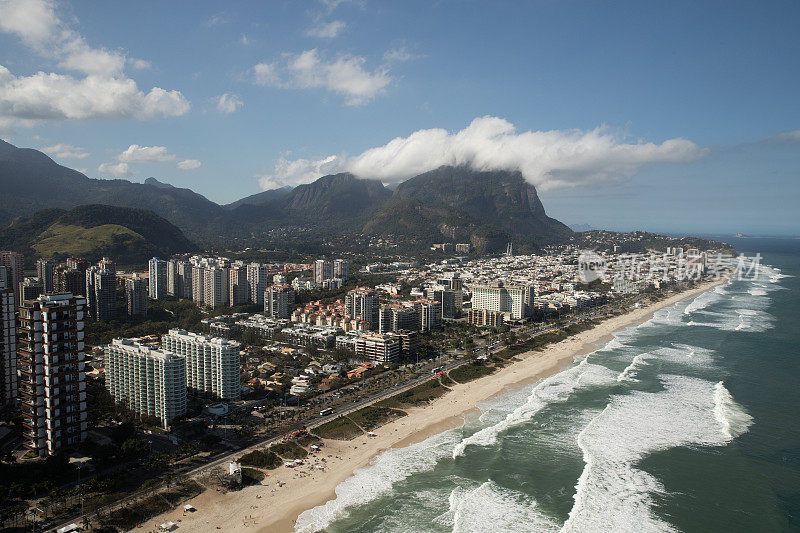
252, 367
399, 267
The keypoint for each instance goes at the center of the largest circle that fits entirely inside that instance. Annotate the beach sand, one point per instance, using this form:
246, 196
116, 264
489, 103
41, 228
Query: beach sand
286, 492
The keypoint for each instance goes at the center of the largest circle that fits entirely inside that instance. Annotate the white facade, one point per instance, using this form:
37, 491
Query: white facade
258, 281
212, 363
514, 301
151, 382
215, 287
157, 278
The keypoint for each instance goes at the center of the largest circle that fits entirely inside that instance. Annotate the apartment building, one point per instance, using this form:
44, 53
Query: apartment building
52, 387
514, 301
157, 279
238, 288
341, 269
363, 304
258, 281
136, 296
484, 317
8, 341
45, 269
212, 363
278, 301
13, 262
151, 382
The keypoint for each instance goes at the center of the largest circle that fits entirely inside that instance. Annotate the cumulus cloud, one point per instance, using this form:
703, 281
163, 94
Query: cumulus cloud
327, 30
228, 103
145, 154
344, 75
99, 91
547, 159
66, 151
189, 164
118, 170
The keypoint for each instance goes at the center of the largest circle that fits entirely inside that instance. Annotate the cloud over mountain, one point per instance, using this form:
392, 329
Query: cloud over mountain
547, 159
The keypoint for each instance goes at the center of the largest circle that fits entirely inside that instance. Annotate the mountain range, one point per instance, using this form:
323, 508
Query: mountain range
487, 209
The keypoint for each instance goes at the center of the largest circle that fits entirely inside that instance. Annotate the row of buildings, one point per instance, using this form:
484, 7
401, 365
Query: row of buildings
43, 361
217, 281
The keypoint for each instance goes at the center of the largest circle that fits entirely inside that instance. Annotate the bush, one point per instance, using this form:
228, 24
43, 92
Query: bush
470, 372
251, 476
341, 428
289, 450
261, 459
375, 416
418, 395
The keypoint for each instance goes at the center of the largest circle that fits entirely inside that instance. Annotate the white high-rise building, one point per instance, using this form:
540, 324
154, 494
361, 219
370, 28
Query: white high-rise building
212, 364
362, 303
238, 288
198, 284
8, 341
215, 286
322, 270
151, 382
278, 301
512, 300
158, 278
341, 269
258, 281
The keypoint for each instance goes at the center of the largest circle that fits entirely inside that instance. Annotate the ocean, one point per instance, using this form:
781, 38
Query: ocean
687, 422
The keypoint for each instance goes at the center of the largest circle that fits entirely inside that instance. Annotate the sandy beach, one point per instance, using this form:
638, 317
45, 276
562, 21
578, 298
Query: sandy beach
286, 492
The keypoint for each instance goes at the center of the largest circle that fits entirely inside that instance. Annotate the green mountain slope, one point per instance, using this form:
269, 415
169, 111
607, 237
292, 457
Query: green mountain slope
127, 235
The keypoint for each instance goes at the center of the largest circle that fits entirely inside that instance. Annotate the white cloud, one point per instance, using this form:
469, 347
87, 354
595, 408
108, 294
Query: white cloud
299, 171
52, 96
66, 151
119, 170
398, 55
244, 40
145, 154
266, 74
139, 64
327, 30
216, 20
228, 103
189, 164
789, 136
344, 75
547, 159
100, 91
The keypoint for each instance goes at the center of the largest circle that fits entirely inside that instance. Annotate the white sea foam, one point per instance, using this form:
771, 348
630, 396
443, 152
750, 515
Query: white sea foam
612, 493
731, 416
556, 388
630, 370
490, 507
702, 301
371, 482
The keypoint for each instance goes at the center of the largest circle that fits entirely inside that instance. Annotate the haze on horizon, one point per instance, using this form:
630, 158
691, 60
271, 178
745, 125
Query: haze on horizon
670, 118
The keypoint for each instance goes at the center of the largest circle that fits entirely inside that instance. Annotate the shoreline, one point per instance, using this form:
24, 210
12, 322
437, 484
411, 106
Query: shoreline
285, 493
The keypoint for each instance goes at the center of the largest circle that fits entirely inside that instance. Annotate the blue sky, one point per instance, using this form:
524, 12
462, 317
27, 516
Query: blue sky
679, 116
